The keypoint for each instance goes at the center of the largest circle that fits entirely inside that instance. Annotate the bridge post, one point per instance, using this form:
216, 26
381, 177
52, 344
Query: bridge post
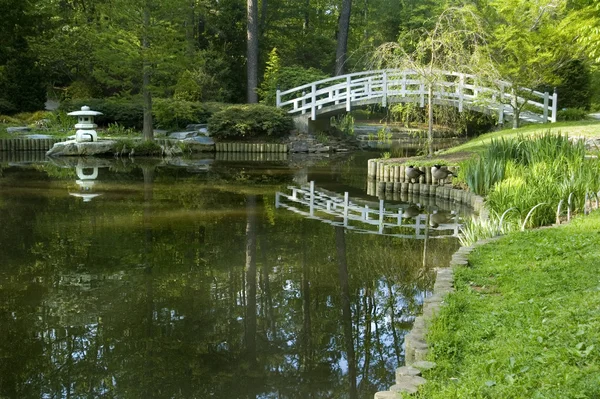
459, 89
313, 102
384, 89
546, 99
501, 107
422, 90
348, 93
278, 101
303, 102
554, 106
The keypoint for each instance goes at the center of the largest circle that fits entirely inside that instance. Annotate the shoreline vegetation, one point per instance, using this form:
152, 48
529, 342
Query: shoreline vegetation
523, 320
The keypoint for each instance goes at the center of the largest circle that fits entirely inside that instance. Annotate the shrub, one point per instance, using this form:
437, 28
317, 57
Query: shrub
249, 121
128, 112
7, 107
571, 114
284, 78
172, 113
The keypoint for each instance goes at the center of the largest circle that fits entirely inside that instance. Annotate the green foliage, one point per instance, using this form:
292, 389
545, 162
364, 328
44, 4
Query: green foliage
173, 113
522, 173
22, 85
138, 147
383, 135
481, 174
571, 114
249, 121
81, 89
59, 120
344, 123
114, 129
322, 137
407, 113
7, 107
284, 78
128, 112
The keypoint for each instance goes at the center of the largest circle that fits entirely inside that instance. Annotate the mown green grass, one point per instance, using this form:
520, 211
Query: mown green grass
585, 128
524, 321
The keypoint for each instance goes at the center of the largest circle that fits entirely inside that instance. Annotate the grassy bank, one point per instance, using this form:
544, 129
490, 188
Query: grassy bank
524, 321
587, 128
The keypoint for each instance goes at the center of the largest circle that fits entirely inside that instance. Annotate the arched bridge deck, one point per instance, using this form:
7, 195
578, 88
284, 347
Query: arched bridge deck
343, 93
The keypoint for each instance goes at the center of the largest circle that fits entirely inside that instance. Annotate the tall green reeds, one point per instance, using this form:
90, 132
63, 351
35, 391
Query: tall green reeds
522, 173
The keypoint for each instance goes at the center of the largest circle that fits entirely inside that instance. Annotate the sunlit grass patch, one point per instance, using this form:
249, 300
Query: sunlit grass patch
524, 321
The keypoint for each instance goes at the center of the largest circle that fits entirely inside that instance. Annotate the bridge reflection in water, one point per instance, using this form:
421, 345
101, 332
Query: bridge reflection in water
402, 221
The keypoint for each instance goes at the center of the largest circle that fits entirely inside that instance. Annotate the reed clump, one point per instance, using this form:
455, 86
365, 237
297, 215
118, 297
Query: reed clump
523, 173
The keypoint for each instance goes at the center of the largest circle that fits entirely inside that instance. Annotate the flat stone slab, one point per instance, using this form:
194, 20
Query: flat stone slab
407, 371
200, 140
17, 129
387, 395
424, 365
38, 136
73, 148
182, 135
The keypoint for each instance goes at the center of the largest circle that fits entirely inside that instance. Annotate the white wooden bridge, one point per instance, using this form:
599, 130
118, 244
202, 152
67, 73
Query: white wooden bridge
345, 92
406, 221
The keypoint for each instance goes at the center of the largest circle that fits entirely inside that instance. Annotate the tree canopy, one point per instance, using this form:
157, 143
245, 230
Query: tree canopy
197, 49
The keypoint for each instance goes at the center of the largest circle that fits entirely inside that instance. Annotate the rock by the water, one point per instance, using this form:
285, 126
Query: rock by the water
200, 140
199, 127
200, 144
17, 129
298, 146
182, 135
160, 133
73, 148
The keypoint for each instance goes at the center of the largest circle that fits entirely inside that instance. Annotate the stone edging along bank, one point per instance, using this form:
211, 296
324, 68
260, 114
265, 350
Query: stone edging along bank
408, 377
392, 179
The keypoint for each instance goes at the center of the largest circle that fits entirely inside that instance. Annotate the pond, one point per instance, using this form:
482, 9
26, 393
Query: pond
154, 279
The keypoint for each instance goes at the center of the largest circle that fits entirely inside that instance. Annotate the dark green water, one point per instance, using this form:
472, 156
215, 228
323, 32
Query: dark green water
187, 282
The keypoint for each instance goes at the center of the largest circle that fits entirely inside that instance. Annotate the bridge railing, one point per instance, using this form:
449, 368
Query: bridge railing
458, 89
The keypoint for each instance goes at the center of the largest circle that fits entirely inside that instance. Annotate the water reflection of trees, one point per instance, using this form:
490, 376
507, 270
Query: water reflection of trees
151, 296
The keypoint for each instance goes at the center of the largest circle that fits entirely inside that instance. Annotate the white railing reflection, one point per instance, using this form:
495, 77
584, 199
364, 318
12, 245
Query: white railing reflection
402, 221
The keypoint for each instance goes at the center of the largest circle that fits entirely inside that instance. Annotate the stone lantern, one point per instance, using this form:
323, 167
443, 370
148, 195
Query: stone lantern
85, 124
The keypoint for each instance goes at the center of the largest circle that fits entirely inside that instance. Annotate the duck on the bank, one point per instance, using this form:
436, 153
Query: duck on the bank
440, 174
412, 211
437, 218
412, 173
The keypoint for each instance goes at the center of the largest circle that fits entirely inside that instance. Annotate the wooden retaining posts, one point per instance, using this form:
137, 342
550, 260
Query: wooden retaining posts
252, 148
384, 171
251, 157
24, 144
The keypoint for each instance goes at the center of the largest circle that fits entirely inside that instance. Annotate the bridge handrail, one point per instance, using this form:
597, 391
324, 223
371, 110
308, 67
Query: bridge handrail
376, 84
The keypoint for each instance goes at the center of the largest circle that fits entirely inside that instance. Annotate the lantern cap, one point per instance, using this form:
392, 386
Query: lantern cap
85, 111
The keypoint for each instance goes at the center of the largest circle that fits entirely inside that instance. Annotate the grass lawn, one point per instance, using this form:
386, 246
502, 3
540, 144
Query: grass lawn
452, 156
587, 128
524, 321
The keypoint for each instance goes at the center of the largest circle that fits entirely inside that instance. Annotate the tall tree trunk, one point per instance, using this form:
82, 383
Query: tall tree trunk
146, 71
252, 42
306, 22
342, 37
430, 121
